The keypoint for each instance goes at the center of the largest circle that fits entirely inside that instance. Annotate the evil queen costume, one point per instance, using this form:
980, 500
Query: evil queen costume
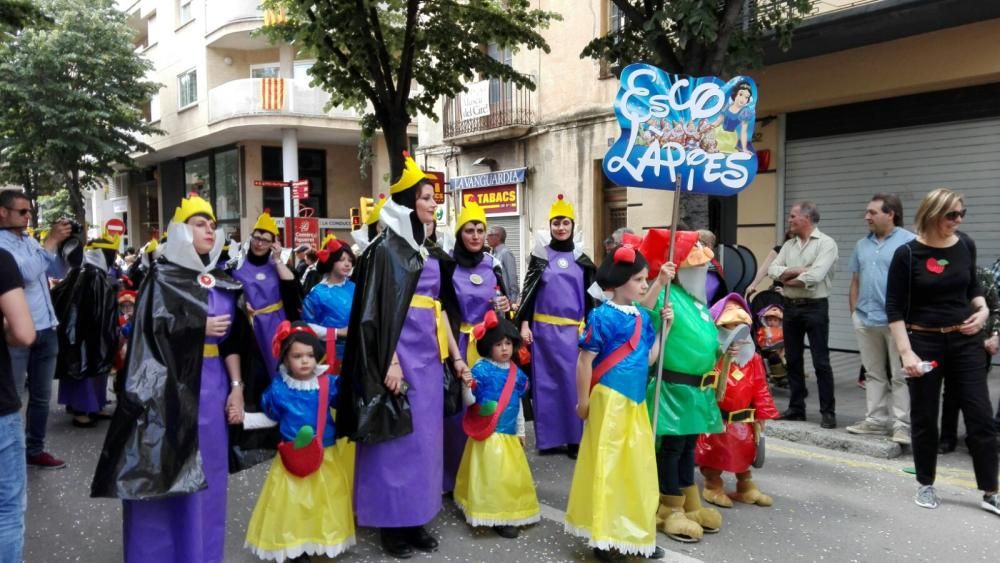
168, 450
555, 302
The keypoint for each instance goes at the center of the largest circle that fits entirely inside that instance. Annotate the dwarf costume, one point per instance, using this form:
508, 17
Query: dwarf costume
747, 399
494, 486
612, 501
269, 299
168, 451
304, 507
555, 303
687, 395
86, 304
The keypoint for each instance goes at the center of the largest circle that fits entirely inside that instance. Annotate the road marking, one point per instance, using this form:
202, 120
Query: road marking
559, 517
951, 476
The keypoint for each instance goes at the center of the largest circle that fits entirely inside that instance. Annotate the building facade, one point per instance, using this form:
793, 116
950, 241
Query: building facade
237, 111
887, 95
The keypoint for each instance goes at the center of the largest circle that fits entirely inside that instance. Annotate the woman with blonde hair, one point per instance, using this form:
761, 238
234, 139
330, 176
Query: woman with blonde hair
936, 310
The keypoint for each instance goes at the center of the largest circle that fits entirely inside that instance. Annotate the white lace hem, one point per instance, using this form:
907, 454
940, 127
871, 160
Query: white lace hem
621, 547
627, 309
329, 551
299, 384
473, 521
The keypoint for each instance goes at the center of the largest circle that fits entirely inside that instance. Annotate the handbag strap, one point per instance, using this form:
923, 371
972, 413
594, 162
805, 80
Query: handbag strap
324, 406
331, 349
618, 355
473, 424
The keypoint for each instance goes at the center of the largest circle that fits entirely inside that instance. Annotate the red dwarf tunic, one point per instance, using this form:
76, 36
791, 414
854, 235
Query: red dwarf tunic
734, 449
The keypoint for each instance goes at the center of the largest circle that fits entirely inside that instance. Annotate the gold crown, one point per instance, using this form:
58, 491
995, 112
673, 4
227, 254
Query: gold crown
412, 174
471, 211
106, 241
562, 208
329, 238
151, 246
193, 205
266, 224
376, 210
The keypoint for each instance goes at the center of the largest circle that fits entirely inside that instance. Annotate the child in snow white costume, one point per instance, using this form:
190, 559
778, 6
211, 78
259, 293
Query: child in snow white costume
494, 485
305, 505
612, 501
687, 396
745, 405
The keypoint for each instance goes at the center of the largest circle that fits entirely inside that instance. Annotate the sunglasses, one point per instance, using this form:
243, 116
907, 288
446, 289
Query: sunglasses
954, 215
262, 241
22, 212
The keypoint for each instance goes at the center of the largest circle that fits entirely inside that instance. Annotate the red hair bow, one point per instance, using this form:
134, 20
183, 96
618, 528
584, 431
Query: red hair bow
285, 329
625, 253
489, 321
331, 247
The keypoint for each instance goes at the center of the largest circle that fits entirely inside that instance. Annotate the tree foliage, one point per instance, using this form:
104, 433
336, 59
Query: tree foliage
18, 14
698, 38
393, 59
71, 99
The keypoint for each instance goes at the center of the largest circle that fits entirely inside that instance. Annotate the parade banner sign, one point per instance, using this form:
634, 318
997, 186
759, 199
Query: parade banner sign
695, 129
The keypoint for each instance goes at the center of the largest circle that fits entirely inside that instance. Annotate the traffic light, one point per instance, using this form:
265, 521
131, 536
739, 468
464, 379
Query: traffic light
367, 204
355, 218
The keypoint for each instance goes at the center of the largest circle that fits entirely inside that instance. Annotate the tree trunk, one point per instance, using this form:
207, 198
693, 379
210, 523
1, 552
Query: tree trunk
396, 141
76, 198
30, 181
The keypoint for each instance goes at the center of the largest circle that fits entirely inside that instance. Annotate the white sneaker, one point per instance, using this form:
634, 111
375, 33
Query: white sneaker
927, 497
868, 427
991, 502
901, 436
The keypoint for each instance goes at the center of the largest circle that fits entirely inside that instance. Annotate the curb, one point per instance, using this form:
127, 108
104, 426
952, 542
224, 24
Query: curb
835, 439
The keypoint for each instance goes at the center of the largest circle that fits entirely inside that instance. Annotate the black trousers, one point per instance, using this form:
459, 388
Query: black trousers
950, 408
811, 319
960, 362
675, 463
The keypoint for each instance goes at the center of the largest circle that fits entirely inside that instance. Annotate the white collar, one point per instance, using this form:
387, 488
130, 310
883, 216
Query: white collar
179, 248
503, 365
627, 309
397, 218
328, 283
303, 385
95, 257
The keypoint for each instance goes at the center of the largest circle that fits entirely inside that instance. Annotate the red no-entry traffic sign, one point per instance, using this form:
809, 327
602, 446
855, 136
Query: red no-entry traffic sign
115, 226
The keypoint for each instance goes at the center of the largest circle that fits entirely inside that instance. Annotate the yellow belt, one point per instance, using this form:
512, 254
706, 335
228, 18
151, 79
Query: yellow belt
559, 321
273, 307
425, 302
210, 351
471, 353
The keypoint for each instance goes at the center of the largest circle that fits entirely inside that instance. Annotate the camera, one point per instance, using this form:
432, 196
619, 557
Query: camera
75, 229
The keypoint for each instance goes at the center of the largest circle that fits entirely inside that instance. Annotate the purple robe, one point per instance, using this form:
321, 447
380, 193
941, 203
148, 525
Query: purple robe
397, 483
190, 528
473, 302
261, 286
88, 395
554, 352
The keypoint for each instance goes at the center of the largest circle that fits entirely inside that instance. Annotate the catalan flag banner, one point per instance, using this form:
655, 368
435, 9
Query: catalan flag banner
275, 17
272, 94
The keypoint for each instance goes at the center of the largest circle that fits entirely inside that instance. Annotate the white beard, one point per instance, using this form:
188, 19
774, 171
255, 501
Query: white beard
693, 281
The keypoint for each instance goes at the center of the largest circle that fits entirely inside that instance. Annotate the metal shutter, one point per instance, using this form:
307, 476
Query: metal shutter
841, 173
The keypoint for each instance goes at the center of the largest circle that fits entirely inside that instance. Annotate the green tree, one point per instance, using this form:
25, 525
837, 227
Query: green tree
18, 14
71, 99
53, 207
396, 58
698, 38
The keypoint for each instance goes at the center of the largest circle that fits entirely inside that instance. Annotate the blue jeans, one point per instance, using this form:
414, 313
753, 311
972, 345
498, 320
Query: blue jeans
37, 363
13, 492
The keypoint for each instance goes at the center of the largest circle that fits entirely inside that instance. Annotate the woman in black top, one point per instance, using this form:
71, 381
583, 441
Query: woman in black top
936, 310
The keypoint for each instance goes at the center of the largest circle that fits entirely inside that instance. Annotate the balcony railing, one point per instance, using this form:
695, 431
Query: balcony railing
219, 13
510, 112
245, 97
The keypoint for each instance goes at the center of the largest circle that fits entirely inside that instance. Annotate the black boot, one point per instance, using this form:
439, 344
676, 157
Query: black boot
395, 544
418, 537
572, 450
509, 532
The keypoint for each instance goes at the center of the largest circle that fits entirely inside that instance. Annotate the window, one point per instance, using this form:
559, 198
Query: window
184, 12
272, 70
196, 177
227, 187
152, 113
500, 92
615, 23
187, 86
152, 34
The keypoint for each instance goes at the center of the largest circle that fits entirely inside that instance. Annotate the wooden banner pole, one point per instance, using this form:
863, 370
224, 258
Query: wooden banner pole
666, 301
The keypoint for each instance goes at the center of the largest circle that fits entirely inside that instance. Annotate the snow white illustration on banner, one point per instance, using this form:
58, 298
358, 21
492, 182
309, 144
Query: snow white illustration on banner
697, 129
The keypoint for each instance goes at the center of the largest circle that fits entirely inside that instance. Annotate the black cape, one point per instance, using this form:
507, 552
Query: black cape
151, 449
86, 304
385, 279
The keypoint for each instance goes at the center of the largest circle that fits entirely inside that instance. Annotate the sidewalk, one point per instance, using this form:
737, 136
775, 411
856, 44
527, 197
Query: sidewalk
851, 407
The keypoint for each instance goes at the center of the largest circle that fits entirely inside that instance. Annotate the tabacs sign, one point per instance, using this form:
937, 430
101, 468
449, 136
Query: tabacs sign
697, 129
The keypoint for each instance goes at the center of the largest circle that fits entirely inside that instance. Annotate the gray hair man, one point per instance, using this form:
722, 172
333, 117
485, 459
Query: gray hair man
496, 237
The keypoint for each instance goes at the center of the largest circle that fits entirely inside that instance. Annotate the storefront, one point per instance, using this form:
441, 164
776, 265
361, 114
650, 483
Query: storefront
499, 193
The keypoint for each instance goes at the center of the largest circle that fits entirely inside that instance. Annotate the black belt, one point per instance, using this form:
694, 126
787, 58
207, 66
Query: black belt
804, 300
744, 415
707, 380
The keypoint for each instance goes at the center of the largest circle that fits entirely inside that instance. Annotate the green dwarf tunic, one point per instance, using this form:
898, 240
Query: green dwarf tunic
692, 347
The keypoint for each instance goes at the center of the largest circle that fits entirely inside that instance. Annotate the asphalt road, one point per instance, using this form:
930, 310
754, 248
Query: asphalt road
829, 506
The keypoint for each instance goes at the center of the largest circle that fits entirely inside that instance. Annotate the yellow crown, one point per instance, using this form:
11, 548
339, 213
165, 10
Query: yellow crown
106, 241
193, 205
471, 211
266, 224
376, 210
151, 246
412, 174
562, 208
329, 238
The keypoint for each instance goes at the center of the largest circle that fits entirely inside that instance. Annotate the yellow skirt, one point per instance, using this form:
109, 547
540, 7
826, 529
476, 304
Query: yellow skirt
494, 485
346, 452
302, 515
727, 139
614, 496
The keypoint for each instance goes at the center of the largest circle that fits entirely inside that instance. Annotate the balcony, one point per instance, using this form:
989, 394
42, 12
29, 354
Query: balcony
245, 97
229, 24
506, 114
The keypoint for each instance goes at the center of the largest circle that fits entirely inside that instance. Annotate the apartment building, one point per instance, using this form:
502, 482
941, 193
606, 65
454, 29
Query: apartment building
875, 95
238, 111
